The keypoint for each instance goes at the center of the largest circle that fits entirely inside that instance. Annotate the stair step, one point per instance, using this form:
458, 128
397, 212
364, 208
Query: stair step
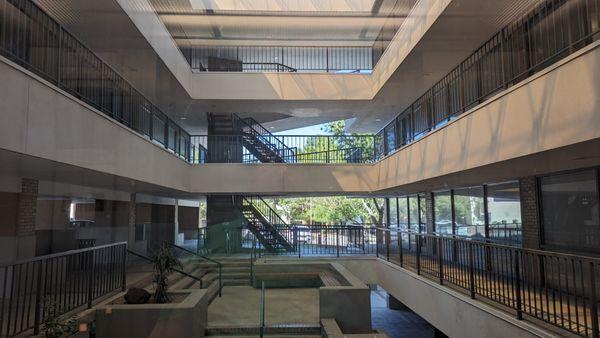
293, 330
236, 282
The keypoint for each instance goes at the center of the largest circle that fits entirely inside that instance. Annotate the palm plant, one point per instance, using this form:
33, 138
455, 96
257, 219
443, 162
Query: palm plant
164, 264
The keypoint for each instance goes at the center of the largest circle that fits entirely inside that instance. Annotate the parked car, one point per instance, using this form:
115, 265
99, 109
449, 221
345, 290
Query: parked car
303, 234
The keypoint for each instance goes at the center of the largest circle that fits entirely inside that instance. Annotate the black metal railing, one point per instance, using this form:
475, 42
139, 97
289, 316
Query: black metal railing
249, 67
547, 34
301, 149
261, 206
36, 288
186, 256
249, 126
290, 59
556, 288
32, 39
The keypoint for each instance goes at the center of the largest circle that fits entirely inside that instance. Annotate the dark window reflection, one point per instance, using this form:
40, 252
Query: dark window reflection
570, 211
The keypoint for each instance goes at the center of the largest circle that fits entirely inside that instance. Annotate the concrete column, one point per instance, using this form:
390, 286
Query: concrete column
132, 221
530, 216
223, 214
26, 215
386, 211
176, 223
394, 304
429, 214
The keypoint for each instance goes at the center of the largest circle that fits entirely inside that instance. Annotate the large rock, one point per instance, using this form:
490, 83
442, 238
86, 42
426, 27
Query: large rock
137, 296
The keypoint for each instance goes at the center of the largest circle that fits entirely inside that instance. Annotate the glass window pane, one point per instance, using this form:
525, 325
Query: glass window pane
442, 212
570, 211
504, 212
393, 221
413, 209
403, 212
469, 212
423, 214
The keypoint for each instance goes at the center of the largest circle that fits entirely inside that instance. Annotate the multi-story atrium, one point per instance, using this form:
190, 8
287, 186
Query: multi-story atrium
289, 168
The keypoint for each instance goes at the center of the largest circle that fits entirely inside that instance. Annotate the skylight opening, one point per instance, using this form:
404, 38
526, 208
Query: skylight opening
285, 5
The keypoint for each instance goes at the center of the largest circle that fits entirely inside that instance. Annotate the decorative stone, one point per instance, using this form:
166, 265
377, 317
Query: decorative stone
137, 296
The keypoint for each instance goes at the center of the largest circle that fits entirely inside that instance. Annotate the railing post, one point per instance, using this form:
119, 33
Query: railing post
471, 270
299, 247
262, 310
39, 294
418, 253
593, 302
337, 241
400, 248
440, 244
220, 280
377, 242
518, 286
388, 236
91, 274
124, 269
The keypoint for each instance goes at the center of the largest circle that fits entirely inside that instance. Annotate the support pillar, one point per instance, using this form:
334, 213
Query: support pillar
429, 213
26, 216
223, 222
530, 213
131, 222
394, 304
176, 224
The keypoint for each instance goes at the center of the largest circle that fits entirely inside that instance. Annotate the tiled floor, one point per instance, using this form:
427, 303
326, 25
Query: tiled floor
397, 323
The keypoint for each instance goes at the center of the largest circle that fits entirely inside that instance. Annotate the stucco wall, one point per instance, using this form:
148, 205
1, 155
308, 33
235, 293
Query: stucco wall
555, 109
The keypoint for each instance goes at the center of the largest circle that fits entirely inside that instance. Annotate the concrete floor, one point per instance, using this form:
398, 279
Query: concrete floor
397, 323
239, 306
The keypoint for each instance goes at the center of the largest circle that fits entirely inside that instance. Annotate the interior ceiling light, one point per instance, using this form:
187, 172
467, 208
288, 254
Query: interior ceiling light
285, 5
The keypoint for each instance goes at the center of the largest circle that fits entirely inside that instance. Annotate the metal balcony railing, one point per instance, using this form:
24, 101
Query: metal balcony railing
555, 288
300, 149
33, 40
34, 289
279, 59
545, 35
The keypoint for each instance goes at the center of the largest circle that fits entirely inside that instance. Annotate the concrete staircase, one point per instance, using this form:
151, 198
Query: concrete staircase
234, 271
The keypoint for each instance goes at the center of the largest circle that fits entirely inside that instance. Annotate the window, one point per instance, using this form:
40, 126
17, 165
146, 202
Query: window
442, 212
413, 210
469, 212
570, 211
403, 213
422, 214
390, 138
393, 221
504, 212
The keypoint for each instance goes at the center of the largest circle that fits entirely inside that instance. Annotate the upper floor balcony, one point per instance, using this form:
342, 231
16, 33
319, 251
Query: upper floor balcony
274, 36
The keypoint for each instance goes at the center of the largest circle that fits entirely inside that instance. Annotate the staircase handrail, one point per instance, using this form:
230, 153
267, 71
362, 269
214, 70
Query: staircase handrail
219, 264
142, 256
267, 137
273, 216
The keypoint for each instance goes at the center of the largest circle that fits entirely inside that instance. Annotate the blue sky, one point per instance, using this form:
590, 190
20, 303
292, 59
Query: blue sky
311, 130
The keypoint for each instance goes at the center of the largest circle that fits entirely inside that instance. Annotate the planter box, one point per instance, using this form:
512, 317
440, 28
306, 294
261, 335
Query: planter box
187, 318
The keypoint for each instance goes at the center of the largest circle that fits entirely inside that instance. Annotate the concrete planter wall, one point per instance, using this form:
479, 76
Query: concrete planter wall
187, 318
349, 304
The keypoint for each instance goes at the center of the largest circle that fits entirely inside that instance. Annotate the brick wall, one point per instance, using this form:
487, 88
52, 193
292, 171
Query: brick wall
27, 206
429, 212
530, 212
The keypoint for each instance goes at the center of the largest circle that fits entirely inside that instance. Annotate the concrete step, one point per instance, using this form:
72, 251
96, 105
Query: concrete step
236, 282
290, 330
279, 335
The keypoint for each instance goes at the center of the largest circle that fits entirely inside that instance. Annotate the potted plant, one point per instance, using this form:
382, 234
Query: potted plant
164, 264
170, 313
52, 326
